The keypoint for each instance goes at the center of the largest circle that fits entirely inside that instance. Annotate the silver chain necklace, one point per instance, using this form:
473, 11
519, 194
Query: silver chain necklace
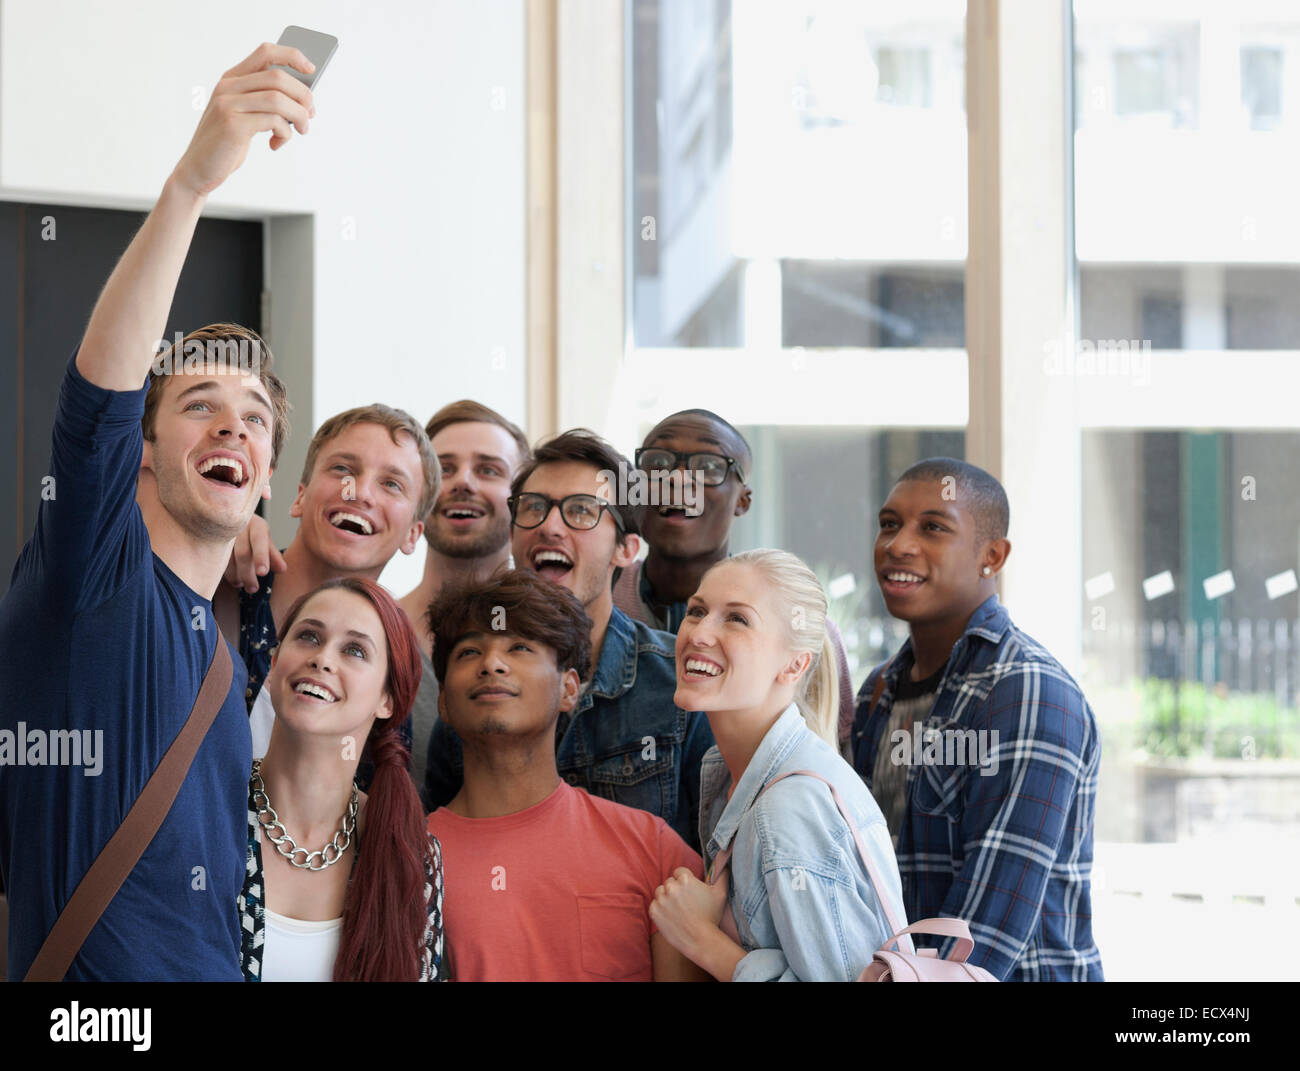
263, 804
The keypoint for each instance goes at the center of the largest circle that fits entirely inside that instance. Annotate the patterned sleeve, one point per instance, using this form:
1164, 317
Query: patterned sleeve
1017, 811
252, 906
433, 967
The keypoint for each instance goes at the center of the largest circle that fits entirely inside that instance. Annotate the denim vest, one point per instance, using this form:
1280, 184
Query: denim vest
804, 907
624, 740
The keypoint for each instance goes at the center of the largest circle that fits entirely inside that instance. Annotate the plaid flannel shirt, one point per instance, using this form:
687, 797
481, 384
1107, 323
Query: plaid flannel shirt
1007, 846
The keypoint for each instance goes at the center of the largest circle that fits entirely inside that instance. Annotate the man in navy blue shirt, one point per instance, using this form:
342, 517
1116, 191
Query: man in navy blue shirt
107, 631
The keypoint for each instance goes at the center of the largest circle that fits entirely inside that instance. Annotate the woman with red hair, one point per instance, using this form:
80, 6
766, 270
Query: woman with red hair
341, 885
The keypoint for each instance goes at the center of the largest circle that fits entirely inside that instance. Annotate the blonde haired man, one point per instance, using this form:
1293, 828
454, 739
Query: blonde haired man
369, 479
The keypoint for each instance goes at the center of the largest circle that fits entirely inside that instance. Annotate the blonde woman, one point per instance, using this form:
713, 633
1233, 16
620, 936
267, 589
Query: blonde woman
795, 902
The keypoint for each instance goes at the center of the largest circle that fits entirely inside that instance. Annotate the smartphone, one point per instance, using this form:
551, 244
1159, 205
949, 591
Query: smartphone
317, 47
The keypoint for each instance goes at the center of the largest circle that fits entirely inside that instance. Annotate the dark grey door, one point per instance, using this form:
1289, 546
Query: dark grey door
54, 261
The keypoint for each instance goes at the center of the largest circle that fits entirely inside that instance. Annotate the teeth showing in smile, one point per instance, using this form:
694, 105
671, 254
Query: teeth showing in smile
232, 470
350, 522
903, 578
463, 513
307, 688
694, 665
551, 557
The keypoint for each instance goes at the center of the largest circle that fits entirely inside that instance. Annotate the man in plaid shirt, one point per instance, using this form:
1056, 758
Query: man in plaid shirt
991, 791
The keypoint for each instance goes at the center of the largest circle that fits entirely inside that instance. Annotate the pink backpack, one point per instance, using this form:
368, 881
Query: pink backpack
895, 960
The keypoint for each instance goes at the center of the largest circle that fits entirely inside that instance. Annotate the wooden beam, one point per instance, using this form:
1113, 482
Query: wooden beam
542, 405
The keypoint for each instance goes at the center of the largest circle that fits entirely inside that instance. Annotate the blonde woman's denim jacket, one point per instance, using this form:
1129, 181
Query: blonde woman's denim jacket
803, 904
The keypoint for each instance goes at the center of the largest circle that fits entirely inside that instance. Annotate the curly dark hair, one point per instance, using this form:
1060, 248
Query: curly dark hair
516, 602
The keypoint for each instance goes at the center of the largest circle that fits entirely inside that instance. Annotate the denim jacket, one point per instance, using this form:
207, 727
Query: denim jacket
624, 740
803, 904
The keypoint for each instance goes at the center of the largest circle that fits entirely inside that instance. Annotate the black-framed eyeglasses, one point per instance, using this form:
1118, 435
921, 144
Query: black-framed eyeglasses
711, 469
580, 512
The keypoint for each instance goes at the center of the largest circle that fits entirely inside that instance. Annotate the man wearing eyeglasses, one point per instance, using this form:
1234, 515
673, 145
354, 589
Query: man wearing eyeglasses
625, 740
684, 543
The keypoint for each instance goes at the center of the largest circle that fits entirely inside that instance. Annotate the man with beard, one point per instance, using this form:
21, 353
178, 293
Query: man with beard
467, 532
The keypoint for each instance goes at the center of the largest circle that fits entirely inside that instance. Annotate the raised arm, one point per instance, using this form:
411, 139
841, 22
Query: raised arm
131, 313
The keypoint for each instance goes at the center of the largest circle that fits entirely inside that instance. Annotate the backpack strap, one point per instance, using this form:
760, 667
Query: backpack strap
873, 874
877, 690
848, 750
118, 857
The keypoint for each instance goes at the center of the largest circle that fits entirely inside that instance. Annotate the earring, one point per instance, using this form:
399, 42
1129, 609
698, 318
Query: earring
987, 570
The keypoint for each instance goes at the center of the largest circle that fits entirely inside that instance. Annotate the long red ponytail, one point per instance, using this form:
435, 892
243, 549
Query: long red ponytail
384, 912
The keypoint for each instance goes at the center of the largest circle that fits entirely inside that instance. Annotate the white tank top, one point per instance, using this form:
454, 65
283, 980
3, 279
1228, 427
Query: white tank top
260, 720
298, 951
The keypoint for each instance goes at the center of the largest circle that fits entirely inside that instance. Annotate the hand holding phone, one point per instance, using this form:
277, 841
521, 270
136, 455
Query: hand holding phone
250, 98
317, 47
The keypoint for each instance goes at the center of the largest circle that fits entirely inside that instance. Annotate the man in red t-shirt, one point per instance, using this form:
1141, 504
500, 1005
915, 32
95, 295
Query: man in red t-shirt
542, 881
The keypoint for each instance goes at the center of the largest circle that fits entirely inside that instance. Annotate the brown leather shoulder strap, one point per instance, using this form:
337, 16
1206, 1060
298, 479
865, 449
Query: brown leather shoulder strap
118, 857
879, 687
875, 692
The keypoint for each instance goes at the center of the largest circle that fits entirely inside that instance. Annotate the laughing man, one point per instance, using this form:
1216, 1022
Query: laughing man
108, 622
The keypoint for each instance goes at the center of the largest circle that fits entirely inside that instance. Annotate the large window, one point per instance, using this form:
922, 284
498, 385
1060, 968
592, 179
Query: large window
798, 194
1093, 294
1186, 226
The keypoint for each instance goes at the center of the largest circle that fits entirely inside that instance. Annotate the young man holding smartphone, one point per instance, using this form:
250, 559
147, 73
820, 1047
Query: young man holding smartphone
107, 628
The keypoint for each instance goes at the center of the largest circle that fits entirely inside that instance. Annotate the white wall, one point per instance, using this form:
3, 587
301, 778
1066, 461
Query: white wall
413, 173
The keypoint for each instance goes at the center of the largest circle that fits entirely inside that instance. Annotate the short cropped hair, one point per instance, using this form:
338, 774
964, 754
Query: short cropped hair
396, 421
467, 411
746, 453
980, 493
226, 334
517, 602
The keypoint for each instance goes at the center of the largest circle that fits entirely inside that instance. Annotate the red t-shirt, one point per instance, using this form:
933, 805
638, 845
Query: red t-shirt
559, 892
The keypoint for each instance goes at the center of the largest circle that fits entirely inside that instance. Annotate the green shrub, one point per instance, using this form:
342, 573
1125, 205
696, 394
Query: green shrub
1182, 719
